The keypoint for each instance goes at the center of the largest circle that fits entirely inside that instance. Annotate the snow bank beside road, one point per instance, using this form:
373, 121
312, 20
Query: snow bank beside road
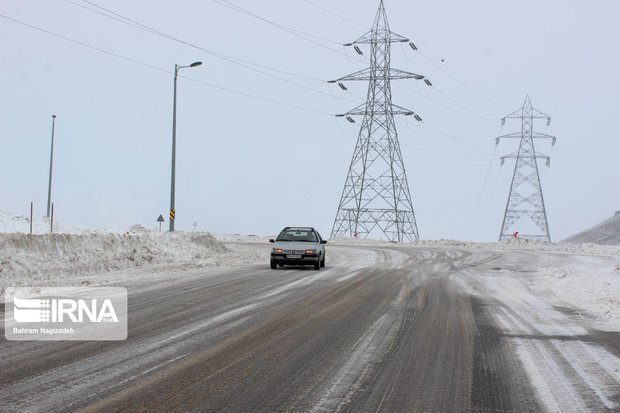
26, 259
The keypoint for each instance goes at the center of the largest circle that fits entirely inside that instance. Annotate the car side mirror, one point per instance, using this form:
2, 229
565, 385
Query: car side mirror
323, 241
272, 240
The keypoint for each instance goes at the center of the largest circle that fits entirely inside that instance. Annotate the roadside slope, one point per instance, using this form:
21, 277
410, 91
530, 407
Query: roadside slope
605, 233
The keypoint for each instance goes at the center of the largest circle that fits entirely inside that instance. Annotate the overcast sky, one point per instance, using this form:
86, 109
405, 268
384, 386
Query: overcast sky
251, 166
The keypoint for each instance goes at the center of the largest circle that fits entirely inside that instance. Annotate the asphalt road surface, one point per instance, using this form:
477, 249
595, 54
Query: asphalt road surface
377, 330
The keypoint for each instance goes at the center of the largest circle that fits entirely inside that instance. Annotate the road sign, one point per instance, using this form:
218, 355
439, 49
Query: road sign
160, 220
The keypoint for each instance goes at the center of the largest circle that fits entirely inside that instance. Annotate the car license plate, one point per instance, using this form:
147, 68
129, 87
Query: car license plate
293, 256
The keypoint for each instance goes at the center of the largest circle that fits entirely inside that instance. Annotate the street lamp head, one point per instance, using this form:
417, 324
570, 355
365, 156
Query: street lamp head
54, 116
195, 64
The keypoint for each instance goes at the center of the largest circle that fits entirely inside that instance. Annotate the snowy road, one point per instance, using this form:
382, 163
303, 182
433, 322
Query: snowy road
379, 329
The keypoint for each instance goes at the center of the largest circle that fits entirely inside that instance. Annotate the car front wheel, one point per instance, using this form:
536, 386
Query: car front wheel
274, 265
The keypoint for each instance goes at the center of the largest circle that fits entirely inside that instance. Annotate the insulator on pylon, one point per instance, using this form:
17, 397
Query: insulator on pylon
418, 77
348, 44
413, 46
409, 113
503, 121
343, 87
428, 82
358, 50
502, 160
548, 161
331, 81
496, 141
548, 121
350, 119
418, 118
553, 141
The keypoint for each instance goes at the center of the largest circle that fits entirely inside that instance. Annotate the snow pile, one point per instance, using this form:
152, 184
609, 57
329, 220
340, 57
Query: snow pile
605, 233
508, 245
24, 258
595, 289
12, 223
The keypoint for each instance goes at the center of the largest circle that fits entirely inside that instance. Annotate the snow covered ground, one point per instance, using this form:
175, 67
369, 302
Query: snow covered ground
74, 256
586, 282
585, 276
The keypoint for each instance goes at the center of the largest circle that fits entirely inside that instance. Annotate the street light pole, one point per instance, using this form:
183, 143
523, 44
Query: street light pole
49, 187
174, 142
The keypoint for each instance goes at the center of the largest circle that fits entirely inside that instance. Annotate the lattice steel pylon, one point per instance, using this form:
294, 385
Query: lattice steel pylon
376, 193
526, 196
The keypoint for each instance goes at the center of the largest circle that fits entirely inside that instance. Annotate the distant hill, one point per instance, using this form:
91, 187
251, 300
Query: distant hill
605, 233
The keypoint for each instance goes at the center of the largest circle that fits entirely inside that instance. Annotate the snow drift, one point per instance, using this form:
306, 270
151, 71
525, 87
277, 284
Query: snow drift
605, 233
24, 257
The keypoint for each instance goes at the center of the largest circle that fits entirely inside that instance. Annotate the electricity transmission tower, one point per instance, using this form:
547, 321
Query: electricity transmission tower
376, 193
526, 197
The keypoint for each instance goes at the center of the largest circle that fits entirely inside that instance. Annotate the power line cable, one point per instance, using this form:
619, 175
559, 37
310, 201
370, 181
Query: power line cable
464, 107
126, 20
137, 62
484, 183
414, 132
236, 7
421, 53
441, 105
462, 141
275, 102
488, 204
85, 45
444, 155
463, 83
294, 32
336, 14
240, 62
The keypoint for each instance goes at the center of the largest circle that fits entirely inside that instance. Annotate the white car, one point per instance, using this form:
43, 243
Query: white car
298, 246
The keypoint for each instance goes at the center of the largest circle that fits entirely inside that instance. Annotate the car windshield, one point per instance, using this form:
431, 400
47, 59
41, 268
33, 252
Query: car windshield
297, 235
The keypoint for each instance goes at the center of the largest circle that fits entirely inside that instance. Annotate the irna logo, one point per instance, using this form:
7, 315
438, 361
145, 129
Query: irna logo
65, 313
60, 310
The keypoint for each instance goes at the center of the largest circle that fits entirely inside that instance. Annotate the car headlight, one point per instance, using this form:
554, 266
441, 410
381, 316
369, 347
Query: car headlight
278, 250
310, 252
